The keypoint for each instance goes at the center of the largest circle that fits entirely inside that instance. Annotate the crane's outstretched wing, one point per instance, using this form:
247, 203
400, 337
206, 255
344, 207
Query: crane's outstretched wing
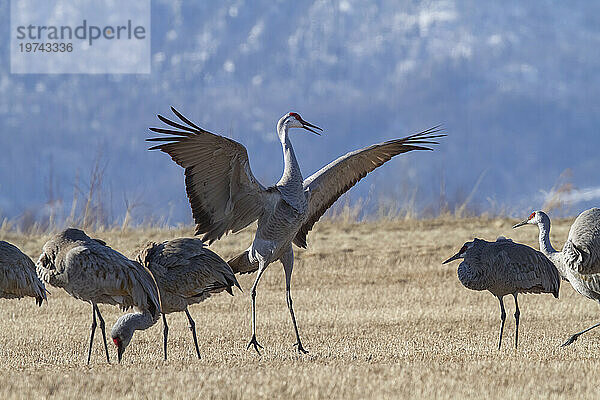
223, 193
336, 178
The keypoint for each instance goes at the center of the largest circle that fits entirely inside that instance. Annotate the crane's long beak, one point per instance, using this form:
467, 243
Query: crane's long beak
524, 222
120, 351
308, 126
454, 257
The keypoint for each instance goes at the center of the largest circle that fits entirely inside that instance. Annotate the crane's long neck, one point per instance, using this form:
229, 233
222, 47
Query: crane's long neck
290, 184
135, 321
545, 245
291, 169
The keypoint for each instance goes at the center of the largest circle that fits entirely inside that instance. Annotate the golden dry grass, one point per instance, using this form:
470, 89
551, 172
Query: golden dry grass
381, 316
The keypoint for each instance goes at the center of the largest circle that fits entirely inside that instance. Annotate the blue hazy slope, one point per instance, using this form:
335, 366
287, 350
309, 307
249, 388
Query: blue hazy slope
515, 85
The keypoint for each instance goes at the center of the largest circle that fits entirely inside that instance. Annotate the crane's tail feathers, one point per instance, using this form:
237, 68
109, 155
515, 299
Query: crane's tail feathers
236, 284
241, 264
41, 295
231, 282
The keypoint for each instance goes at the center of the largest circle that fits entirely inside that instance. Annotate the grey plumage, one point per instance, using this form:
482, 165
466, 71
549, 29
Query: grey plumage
226, 197
186, 273
93, 272
18, 278
579, 260
504, 267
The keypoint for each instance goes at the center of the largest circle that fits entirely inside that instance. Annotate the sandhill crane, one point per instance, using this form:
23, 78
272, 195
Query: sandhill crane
226, 197
89, 270
579, 260
186, 273
504, 267
17, 275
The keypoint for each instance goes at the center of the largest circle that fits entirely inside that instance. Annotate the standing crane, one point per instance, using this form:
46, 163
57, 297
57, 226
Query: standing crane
226, 197
89, 270
504, 267
17, 275
579, 260
186, 273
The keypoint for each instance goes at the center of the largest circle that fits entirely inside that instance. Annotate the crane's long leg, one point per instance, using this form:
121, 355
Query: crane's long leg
165, 334
92, 330
503, 317
288, 265
102, 328
193, 329
261, 268
517, 315
576, 336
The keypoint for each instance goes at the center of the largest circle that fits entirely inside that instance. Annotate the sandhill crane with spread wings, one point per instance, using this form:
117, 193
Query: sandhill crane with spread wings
504, 267
579, 260
18, 278
89, 270
186, 273
226, 197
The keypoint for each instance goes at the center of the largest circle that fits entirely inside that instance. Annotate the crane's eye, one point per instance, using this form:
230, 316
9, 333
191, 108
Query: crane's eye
463, 249
531, 216
116, 341
295, 115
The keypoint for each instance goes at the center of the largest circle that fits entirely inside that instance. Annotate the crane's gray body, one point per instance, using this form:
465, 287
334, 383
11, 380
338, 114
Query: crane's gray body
226, 197
17, 275
93, 272
504, 267
186, 272
579, 260
89, 270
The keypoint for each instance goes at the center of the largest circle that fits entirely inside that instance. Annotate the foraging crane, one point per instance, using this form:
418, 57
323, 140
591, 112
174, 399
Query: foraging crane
226, 197
504, 267
186, 273
89, 270
579, 260
17, 275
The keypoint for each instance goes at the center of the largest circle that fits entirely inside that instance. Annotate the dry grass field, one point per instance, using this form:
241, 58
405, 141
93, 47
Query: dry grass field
379, 313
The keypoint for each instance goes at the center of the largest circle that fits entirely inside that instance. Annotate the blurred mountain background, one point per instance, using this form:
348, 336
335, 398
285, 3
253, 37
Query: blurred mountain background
515, 85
